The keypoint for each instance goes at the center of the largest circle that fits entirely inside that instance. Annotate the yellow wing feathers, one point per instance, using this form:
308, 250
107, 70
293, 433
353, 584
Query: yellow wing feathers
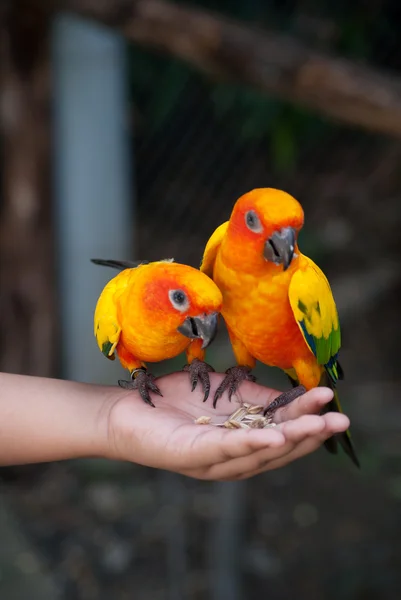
316, 314
106, 327
212, 246
309, 288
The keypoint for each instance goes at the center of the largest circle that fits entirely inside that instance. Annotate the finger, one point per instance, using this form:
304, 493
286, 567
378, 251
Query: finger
298, 429
295, 432
219, 446
334, 423
310, 403
307, 446
238, 468
244, 442
322, 427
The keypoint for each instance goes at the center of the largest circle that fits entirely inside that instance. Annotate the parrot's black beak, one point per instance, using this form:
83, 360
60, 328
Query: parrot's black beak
280, 247
203, 327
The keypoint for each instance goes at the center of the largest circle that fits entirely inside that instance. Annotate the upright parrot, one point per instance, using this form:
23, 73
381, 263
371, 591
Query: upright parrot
277, 303
152, 311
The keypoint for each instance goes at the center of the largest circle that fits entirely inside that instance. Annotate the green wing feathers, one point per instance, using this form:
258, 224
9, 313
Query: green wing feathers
316, 314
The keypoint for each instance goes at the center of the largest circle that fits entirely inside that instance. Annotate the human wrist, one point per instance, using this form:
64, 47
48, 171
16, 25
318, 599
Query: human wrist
95, 439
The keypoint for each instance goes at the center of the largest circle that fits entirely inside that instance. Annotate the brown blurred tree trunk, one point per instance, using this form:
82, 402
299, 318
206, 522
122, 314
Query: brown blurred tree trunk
27, 290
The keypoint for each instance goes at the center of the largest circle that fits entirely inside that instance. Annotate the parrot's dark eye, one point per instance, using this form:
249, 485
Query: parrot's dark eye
253, 222
178, 299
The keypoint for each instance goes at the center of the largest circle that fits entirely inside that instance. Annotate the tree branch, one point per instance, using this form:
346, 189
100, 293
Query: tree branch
275, 64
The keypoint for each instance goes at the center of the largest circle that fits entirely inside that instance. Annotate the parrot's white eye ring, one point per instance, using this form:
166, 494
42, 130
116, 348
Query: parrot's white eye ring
179, 300
252, 221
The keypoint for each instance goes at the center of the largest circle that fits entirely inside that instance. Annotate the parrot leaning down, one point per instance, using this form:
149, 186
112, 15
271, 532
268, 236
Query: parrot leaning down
277, 303
152, 311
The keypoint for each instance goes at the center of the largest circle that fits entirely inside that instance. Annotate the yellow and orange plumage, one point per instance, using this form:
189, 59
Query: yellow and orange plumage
277, 303
141, 311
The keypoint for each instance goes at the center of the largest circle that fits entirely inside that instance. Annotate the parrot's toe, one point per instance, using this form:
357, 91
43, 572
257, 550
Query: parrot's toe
231, 382
199, 371
144, 383
284, 399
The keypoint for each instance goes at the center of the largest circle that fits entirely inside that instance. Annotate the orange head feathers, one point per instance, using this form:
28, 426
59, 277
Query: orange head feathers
172, 297
269, 221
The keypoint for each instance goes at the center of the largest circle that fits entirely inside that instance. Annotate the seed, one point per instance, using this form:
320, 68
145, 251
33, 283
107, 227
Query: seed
257, 423
238, 414
230, 424
241, 424
203, 420
255, 409
251, 417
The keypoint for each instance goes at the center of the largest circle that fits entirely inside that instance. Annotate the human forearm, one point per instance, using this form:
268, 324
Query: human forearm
45, 420
48, 419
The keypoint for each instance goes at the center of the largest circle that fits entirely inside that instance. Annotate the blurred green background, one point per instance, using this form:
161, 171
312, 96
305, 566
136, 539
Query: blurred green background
197, 139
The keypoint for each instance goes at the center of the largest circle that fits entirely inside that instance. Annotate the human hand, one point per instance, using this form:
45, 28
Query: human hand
166, 437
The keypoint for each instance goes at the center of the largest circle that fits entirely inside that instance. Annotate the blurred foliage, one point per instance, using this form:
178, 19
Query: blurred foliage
248, 114
354, 31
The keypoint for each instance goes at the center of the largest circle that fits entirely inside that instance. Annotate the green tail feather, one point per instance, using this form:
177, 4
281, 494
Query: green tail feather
344, 439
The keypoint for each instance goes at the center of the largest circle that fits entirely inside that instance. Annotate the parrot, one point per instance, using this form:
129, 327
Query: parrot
153, 311
277, 303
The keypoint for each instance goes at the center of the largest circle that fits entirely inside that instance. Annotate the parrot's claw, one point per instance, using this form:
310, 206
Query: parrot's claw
199, 371
284, 399
234, 376
143, 382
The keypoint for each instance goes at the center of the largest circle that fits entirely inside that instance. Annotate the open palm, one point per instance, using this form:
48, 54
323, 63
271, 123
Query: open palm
175, 442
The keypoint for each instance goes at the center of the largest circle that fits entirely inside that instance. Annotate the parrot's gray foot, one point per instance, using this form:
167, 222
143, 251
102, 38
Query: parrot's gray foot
199, 371
284, 399
231, 382
142, 381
